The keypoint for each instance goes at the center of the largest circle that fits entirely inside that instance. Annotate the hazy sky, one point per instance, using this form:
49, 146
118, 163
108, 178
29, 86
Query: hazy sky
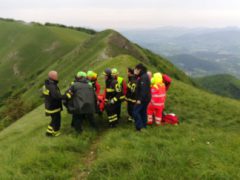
125, 14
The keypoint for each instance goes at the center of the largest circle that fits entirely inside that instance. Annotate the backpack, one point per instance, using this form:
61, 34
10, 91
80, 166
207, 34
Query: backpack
170, 119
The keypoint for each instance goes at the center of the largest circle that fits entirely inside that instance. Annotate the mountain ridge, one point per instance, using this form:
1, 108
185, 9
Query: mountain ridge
205, 144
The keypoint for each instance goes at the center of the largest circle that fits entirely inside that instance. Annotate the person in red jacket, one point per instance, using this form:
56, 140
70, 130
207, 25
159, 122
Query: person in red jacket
167, 81
156, 106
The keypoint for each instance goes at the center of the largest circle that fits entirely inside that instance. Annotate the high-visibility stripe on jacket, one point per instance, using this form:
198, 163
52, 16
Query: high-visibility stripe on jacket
123, 85
158, 93
112, 91
52, 96
131, 90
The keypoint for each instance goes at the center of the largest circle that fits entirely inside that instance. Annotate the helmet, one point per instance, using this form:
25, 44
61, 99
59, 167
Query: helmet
81, 74
90, 73
107, 72
114, 72
158, 78
94, 75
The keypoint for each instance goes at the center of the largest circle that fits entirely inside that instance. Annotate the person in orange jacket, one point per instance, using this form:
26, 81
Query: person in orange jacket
167, 81
156, 106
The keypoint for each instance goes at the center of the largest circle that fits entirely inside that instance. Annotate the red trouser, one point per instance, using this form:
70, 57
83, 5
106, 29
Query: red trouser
157, 112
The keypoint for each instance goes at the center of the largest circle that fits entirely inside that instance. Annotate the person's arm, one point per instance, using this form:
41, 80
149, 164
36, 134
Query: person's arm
167, 81
98, 88
144, 89
124, 87
69, 93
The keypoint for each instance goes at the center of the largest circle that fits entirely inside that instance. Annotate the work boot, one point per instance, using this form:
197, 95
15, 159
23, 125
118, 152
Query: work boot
48, 134
56, 133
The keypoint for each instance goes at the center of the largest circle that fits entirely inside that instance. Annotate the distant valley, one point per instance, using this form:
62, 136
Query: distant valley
198, 51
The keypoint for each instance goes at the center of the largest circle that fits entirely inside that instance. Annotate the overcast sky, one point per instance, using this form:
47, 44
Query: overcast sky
125, 14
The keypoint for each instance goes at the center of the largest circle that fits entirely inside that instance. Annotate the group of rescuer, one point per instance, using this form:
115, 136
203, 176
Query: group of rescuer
144, 93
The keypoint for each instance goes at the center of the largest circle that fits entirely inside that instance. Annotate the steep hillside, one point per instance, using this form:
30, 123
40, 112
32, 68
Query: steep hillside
204, 146
26, 50
29, 51
224, 85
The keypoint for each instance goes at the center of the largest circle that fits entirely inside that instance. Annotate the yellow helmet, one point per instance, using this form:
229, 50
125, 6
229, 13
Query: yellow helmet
158, 79
114, 72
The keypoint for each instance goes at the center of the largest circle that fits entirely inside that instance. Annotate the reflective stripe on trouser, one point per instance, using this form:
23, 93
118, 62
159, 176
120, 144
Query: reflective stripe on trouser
157, 112
52, 132
158, 120
111, 110
55, 124
112, 118
150, 119
50, 129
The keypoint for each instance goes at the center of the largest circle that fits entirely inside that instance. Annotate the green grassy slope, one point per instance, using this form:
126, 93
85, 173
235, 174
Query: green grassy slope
162, 152
224, 85
27, 50
204, 146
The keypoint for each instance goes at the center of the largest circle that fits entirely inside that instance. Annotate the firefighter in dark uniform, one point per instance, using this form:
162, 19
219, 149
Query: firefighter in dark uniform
112, 96
122, 88
131, 93
53, 103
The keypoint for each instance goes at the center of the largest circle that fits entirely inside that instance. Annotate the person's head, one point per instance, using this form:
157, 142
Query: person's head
107, 73
81, 75
94, 76
114, 73
158, 79
53, 75
140, 69
130, 72
90, 75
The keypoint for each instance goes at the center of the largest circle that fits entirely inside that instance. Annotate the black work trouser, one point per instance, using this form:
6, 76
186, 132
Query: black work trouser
56, 121
111, 110
118, 109
77, 120
130, 107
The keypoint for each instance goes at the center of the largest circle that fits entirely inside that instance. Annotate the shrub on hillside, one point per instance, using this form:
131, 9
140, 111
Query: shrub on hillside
15, 108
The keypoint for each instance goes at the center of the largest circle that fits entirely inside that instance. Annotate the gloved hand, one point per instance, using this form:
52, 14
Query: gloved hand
111, 101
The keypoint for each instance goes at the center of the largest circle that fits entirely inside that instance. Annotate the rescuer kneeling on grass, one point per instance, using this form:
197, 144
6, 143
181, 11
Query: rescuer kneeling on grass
53, 103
